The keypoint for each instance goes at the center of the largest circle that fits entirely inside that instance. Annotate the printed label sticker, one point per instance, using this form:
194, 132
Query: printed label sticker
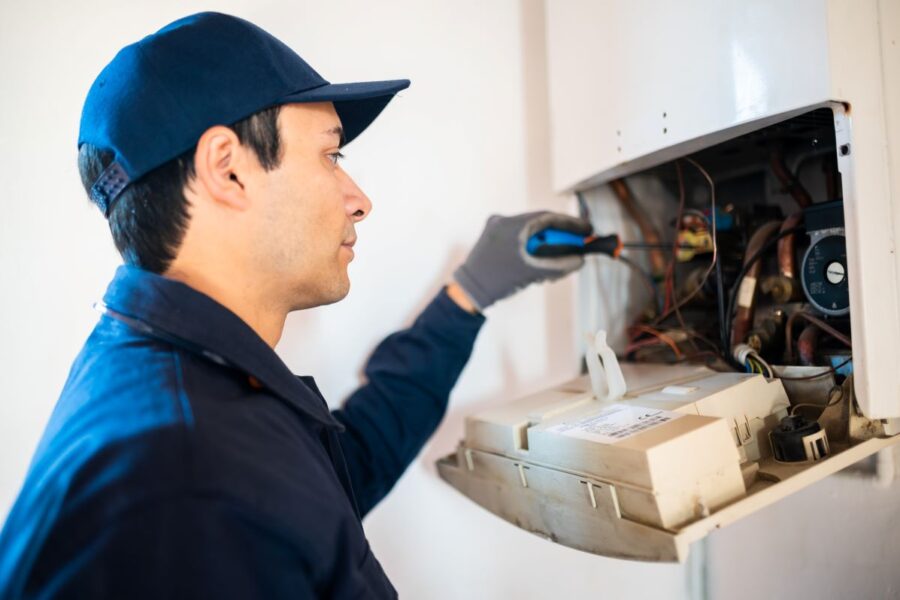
615, 422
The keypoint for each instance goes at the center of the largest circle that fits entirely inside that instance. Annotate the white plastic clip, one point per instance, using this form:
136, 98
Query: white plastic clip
607, 380
590, 487
522, 476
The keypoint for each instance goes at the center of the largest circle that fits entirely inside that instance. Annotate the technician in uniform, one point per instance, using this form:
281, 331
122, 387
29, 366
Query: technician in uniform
183, 459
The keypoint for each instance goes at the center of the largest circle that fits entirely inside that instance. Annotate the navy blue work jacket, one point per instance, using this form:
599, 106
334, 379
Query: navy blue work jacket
184, 460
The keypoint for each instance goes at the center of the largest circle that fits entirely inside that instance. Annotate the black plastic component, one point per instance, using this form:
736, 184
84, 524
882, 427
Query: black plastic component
605, 244
827, 215
787, 439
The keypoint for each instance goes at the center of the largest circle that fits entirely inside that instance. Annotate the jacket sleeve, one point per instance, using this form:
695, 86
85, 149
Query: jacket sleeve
192, 547
409, 378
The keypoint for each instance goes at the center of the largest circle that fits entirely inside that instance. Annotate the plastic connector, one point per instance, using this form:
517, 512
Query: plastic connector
607, 380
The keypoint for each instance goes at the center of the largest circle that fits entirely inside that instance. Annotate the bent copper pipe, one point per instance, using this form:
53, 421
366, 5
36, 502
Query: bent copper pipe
746, 298
806, 345
784, 287
787, 264
789, 328
790, 182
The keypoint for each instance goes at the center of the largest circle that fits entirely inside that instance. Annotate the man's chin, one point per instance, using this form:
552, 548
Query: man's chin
320, 292
335, 293
338, 295
342, 289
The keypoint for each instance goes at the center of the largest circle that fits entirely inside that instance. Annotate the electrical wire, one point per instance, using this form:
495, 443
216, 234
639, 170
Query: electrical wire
640, 345
701, 338
672, 282
829, 371
635, 345
763, 365
667, 340
751, 361
715, 245
836, 392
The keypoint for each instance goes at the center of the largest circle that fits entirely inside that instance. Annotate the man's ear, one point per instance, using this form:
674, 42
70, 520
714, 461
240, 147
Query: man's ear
221, 166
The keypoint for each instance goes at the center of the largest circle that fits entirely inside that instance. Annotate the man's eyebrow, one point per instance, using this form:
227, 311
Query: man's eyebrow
336, 130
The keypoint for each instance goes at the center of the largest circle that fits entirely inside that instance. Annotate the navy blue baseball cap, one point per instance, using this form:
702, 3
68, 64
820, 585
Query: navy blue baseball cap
155, 99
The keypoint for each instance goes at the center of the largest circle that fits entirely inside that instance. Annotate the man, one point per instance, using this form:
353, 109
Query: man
183, 459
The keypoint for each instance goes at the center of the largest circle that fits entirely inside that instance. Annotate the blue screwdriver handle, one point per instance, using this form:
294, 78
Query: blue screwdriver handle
562, 240
555, 242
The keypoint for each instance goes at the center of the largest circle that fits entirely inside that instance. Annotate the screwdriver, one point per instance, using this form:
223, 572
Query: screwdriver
555, 242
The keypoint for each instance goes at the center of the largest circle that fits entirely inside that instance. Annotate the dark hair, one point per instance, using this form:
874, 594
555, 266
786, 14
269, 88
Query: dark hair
149, 219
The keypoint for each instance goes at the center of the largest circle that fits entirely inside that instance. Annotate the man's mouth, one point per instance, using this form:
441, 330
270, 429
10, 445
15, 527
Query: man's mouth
348, 245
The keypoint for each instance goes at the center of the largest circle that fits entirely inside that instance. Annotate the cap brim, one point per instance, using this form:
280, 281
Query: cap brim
357, 104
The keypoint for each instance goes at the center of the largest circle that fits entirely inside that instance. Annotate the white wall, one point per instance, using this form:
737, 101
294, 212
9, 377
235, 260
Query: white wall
468, 139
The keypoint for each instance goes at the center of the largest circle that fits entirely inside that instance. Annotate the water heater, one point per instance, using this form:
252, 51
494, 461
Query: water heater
761, 141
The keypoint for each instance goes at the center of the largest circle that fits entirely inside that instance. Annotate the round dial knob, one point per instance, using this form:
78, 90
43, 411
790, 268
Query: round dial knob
835, 272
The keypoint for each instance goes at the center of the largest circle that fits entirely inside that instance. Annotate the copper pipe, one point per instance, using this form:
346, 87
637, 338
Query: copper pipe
806, 345
784, 287
787, 264
746, 298
648, 231
789, 326
790, 182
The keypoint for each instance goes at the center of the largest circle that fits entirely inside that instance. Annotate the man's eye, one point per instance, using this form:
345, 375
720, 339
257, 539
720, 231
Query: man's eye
335, 157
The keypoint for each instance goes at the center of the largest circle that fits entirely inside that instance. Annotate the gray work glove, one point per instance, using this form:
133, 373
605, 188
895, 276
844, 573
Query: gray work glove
499, 266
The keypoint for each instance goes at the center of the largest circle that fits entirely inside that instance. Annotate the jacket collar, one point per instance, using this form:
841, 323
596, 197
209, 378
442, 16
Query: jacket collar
172, 311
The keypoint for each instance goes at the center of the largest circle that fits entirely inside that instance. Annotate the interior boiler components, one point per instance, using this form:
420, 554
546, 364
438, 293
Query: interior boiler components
824, 270
797, 439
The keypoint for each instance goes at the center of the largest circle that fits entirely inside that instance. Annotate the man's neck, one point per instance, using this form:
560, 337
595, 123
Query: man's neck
243, 298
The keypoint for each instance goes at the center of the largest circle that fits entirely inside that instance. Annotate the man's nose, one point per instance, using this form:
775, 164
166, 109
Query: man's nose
358, 204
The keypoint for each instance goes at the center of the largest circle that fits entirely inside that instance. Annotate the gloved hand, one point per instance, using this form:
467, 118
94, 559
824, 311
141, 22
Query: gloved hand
499, 266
